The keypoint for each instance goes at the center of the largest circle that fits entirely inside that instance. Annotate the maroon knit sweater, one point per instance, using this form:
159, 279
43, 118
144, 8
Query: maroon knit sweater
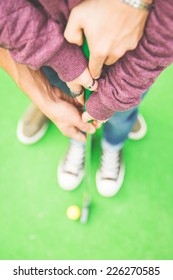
33, 32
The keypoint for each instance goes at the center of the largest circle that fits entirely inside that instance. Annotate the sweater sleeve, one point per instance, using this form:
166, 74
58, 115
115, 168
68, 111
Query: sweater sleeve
126, 81
36, 40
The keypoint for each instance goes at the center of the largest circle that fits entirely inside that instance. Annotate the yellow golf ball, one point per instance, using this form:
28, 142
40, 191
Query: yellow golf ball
73, 212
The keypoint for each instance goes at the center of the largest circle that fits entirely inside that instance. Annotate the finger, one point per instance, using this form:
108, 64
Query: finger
96, 124
114, 57
73, 32
84, 80
96, 65
87, 81
76, 92
92, 85
74, 87
86, 117
76, 134
87, 127
81, 99
111, 60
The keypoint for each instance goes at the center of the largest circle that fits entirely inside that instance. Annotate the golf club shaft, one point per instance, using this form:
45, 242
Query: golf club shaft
86, 195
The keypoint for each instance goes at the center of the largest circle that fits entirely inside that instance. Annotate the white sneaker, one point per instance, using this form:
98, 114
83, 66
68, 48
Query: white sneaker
110, 176
71, 170
139, 129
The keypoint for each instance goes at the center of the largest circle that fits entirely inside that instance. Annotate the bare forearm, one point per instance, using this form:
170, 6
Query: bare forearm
28, 80
64, 111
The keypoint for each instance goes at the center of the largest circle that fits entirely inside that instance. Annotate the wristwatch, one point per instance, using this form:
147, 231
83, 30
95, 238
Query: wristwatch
138, 4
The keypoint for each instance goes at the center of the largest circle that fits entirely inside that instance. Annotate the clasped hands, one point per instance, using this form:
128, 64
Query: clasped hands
111, 28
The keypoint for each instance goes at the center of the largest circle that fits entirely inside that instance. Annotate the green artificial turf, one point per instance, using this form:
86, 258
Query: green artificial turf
135, 224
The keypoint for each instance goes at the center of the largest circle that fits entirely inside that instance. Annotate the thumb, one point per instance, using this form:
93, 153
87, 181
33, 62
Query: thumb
73, 31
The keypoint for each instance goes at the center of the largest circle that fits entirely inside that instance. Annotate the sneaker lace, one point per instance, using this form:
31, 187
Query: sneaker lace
74, 160
110, 164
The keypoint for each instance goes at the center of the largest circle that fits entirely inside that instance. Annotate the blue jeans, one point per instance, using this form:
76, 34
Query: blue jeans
117, 128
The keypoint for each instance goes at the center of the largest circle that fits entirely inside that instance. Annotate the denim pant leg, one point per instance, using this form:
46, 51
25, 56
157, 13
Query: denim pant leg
54, 79
117, 128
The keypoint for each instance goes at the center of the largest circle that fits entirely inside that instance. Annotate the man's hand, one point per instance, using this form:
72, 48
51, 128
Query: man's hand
111, 28
63, 110
66, 114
